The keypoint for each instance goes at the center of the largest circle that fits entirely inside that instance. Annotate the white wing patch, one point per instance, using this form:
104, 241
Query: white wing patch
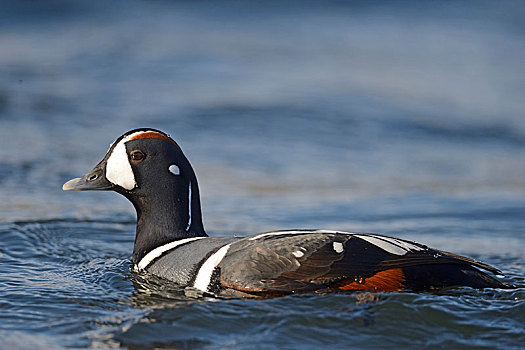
387, 246
391, 245
406, 245
338, 247
298, 254
295, 232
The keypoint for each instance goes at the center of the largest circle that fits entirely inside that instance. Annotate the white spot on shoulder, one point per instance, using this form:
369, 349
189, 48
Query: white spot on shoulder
205, 272
174, 169
338, 247
298, 254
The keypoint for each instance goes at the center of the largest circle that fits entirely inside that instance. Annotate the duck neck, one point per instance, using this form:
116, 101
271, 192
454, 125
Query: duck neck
167, 217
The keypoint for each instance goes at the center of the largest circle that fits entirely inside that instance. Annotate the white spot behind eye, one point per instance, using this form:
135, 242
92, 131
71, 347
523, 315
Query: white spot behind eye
174, 169
338, 247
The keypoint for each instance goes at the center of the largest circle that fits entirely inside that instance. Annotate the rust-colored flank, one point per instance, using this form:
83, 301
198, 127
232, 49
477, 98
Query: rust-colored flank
384, 281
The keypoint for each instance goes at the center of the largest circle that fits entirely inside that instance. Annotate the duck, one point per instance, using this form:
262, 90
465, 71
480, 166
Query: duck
150, 169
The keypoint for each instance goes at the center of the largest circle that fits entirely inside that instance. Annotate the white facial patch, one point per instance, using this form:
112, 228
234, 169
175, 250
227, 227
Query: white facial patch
174, 169
338, 247
118, 169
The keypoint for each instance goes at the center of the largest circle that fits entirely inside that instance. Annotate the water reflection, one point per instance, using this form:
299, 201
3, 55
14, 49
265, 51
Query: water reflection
151, 292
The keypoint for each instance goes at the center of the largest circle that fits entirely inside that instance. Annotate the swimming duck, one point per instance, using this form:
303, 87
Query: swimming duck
149, 168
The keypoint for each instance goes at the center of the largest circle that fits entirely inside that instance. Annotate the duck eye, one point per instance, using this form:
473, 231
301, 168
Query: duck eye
136, 155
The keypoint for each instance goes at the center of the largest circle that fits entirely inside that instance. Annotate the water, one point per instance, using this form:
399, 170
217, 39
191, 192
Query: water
406, 120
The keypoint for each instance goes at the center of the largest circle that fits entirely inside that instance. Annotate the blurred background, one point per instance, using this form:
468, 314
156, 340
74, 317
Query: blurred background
405, 118
294, 114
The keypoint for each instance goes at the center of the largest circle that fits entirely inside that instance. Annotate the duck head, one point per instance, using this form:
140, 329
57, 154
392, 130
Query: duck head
149, 168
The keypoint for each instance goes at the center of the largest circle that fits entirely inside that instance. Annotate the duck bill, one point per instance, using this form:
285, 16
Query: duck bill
95, 180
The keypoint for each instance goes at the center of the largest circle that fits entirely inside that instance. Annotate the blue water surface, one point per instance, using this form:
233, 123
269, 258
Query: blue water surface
403, 118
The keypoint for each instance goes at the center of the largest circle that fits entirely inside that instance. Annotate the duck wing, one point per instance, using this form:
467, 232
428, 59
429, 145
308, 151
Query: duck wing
285, 262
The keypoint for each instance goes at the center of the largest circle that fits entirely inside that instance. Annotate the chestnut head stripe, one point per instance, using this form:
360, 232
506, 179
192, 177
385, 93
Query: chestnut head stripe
150, 135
